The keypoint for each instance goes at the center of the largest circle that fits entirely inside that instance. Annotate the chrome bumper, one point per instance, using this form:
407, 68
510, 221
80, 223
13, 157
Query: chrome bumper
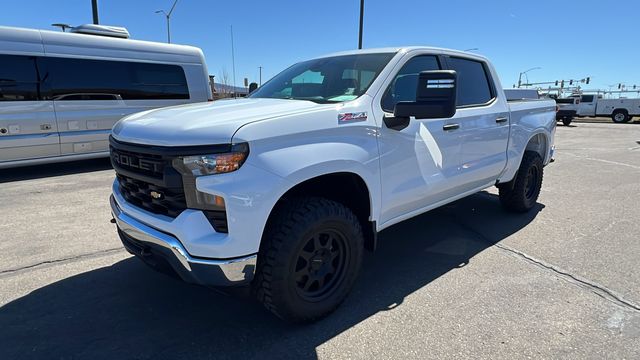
151, 245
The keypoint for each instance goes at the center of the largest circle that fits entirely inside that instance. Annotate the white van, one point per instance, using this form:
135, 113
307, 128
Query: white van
61, 93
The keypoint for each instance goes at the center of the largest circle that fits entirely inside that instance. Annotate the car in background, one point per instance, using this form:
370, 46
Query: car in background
61, 93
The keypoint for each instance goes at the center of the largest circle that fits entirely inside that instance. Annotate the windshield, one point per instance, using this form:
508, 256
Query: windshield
326, 80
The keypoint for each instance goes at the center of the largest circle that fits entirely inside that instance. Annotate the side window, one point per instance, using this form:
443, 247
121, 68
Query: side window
587, 98
18, 78
473, 82
82, 79
403, 87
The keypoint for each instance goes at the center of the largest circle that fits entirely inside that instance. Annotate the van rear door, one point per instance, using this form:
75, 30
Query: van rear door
28, 128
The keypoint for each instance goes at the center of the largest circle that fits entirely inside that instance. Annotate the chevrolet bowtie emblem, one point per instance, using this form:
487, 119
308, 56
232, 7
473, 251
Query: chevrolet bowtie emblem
156, 195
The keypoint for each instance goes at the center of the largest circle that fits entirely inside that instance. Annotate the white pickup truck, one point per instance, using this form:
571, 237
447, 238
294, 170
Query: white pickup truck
284, 190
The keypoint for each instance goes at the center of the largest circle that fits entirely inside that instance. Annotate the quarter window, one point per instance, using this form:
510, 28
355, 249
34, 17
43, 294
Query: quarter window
473, 82
404, 85
18, 78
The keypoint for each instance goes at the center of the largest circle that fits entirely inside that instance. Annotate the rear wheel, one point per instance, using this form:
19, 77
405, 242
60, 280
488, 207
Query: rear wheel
311, 255
521, 194
566, 121
620, 116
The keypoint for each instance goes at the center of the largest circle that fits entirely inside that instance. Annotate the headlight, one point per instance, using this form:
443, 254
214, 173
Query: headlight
193, 166
209, 164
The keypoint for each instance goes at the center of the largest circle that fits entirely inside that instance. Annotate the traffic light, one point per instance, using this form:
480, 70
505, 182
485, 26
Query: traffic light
570, 82
619, 86
556, 82
562, 83
634, 87
588, 79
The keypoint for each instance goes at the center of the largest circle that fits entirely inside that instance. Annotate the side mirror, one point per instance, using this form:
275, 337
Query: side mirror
435, 99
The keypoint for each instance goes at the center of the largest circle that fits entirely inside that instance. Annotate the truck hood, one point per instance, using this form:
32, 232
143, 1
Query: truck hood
203, 123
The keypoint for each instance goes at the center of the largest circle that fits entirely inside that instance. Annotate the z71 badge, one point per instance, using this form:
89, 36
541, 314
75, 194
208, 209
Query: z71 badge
352, 117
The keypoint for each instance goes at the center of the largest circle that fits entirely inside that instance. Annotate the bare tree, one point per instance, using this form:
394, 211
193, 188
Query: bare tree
224, 90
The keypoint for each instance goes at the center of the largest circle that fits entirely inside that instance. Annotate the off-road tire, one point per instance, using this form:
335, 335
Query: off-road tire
520, 195
288, 235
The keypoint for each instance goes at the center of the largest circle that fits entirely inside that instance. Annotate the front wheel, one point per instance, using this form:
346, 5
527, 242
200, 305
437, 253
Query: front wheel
521, 194
311, 255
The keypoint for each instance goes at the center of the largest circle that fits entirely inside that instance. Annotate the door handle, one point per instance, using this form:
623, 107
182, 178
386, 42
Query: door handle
501, 120
451, 127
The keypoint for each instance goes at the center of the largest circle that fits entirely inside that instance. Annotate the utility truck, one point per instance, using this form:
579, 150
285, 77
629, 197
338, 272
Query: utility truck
283, 191
620, 110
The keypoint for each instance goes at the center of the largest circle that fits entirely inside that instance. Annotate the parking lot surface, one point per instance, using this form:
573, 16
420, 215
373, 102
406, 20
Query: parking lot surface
465, 280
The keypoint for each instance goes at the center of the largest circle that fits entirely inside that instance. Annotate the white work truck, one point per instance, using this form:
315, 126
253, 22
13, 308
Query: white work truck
284, 190
620, 110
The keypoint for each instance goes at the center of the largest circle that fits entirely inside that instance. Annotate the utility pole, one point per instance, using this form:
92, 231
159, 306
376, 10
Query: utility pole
361, 21
168, 16
94, 8
233, 63
260, 82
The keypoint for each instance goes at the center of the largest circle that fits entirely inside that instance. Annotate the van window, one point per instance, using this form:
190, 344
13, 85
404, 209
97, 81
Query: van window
404, 85
473, 82
18, 78
76, 79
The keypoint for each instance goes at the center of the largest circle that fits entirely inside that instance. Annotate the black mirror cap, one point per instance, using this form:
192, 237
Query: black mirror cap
435, 96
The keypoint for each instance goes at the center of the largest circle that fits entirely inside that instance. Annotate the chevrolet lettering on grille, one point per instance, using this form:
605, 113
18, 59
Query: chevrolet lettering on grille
136, 163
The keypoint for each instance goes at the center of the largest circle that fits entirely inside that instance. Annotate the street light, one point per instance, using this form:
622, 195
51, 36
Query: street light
525, 73
168, 16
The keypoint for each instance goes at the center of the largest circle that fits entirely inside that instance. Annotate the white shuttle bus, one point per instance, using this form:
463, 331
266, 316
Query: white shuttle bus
61, 93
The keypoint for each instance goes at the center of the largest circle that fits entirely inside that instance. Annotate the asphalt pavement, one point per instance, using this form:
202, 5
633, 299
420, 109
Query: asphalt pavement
465, 280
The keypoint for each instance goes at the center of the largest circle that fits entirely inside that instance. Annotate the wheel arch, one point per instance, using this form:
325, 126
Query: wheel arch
346, 187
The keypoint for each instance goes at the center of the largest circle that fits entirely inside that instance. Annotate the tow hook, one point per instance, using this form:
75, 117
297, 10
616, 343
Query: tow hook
113, 221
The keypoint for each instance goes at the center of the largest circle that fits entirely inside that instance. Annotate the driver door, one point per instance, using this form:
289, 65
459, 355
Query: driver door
420, 163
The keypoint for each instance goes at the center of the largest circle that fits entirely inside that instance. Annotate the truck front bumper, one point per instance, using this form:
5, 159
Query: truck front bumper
163, 252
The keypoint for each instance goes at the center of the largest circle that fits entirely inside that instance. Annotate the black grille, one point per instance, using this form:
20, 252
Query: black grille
157, 199
148, 180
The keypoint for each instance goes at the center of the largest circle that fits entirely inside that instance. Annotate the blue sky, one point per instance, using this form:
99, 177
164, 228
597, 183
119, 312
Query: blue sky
567, 39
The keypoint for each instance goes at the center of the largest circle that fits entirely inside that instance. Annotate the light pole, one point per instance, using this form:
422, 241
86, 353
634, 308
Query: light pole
94, 9
361, 21
168, 16
524, 73
260, 67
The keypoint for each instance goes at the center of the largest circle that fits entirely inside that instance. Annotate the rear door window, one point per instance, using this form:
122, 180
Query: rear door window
18, 78
474, 86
